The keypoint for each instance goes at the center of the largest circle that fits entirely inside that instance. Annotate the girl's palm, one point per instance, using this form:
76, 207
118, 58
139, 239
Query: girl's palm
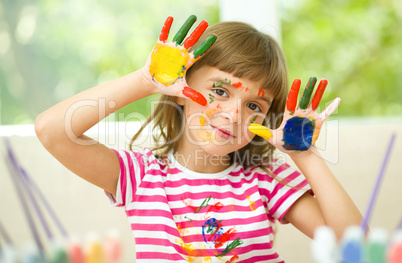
169, 61
301, 126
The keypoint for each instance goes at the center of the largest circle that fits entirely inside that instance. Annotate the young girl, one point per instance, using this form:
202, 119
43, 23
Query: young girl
210, 191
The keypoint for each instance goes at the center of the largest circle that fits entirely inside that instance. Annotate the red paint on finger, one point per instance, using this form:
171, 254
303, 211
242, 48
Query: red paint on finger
165, 29
318, 94
194, 96
193, 38
292, 97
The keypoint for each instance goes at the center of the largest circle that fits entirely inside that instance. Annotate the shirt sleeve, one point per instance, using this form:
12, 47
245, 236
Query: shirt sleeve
286, 187
131, 174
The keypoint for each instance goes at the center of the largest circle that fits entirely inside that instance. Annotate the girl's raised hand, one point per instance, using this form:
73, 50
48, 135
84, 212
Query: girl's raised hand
300, 126
168, 63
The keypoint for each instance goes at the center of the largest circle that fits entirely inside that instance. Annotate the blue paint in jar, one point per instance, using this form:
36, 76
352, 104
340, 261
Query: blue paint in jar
298, 134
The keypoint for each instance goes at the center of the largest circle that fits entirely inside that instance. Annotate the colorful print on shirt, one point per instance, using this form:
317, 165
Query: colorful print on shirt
178, 215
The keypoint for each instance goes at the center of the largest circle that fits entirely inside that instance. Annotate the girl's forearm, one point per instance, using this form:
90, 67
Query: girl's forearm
82, 111
336, 206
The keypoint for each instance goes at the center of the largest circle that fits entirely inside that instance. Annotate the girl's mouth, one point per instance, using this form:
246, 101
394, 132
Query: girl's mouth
223, 133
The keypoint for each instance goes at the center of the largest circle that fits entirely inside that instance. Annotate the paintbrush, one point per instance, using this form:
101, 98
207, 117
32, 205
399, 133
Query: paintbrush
374, 194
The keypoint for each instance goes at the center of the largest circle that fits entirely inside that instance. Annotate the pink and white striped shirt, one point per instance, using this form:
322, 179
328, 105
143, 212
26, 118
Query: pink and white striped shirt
178, 215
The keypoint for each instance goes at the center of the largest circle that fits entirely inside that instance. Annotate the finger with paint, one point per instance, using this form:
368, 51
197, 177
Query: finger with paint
330, 109
318, 94
260, 130
165, 29
193, 38
308, 90
181, 34
292, 97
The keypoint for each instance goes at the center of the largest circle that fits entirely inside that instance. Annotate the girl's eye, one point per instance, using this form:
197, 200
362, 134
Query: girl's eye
220, 92
253, 107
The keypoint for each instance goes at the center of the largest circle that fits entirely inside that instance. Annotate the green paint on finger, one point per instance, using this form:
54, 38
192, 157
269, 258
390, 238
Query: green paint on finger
308, 90
204, 46
181, 34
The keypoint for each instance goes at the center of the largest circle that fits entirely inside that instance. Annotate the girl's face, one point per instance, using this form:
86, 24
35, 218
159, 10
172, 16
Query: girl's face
221, 127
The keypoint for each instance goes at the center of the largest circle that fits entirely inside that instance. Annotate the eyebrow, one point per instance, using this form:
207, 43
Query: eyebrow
218, 82
266, 99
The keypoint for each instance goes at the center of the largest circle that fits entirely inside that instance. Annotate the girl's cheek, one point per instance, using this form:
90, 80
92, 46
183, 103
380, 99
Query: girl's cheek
255, 118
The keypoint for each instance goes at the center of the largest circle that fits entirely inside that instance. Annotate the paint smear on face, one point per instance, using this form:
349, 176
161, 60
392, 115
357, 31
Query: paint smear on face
298, 134
211, 98
168, 63
240, 86
205, 136
202, 121
237, 85
210, 112
261, 93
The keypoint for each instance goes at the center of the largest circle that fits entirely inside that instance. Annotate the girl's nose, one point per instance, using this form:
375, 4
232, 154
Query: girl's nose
233, 113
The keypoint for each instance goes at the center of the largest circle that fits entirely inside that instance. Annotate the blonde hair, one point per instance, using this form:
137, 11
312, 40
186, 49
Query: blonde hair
244, 52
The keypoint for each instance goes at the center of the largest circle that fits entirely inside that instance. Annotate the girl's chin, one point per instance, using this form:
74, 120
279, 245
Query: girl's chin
219, 150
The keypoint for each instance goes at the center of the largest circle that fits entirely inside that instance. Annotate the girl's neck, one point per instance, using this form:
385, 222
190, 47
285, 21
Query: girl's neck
201, 162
